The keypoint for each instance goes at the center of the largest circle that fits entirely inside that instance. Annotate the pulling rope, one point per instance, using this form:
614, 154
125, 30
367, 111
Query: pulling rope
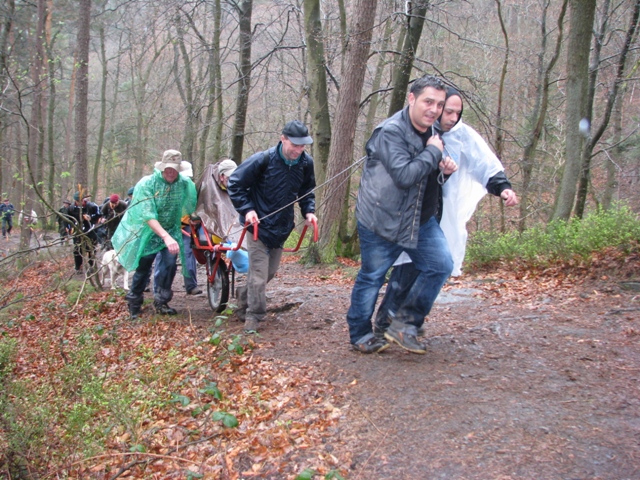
353, 165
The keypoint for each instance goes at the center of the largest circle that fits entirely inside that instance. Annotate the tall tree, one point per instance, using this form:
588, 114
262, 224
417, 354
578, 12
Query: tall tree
618, 81
244, 9
317, 79
346, 116
541, 106
35, 123
103, 111
5, 31
184, 84
416, 12
580, 33
82, 91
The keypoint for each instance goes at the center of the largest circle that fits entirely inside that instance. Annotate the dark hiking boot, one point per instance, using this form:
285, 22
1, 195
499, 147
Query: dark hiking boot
405, 337
164, 309
370, 343
134, 312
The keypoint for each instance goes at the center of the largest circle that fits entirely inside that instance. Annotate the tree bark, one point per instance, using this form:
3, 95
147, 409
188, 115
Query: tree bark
619, 80
5, 30
244, 8
347, 111
82, 98
103, 114
402, 71
317, 79
539, 114
580, 33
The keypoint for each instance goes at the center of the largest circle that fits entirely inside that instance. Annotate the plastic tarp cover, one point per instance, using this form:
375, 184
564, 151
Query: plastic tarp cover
214, 207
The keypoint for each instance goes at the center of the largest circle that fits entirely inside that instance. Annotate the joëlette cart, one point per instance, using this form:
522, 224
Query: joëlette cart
209, 250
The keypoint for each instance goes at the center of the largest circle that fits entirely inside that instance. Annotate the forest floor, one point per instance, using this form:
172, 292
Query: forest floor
527, 375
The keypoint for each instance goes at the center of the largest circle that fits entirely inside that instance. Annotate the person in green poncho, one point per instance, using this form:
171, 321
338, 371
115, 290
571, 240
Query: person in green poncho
151, 225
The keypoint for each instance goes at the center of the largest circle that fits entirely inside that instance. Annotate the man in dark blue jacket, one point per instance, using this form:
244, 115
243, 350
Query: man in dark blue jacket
263, 190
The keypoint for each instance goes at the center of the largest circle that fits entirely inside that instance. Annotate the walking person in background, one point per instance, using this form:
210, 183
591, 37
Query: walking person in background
64, 226
112, 212
7, 210
84, 216
264, 189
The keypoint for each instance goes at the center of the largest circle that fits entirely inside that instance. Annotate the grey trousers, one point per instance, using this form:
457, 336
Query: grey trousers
263, 265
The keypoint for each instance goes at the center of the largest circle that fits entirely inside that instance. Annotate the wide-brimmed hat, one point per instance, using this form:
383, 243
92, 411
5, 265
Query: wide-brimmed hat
172, 159
227, 167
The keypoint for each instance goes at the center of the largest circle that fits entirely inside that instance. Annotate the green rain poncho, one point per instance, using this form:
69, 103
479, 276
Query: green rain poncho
153, 198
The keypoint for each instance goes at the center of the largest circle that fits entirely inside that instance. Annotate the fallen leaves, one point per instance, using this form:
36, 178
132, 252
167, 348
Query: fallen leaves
224, 415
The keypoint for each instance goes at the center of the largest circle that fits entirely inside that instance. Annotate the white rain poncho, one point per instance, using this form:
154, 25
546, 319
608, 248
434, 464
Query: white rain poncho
461, 193
464, 189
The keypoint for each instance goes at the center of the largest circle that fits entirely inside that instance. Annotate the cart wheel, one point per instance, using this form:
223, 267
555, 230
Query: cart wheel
218, 290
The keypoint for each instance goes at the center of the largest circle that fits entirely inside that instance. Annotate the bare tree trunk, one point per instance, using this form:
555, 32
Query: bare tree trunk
51, 110
186, 92
499, 141
34, 126
213, 90
580, 33
402, 72
317, 79
5, 30
103, 114
347, 111
610, 163
244, 8
613, 92
82, 104
68, 156
539, 113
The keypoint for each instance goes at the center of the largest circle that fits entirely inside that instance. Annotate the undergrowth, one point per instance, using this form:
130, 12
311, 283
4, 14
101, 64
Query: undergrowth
559, 241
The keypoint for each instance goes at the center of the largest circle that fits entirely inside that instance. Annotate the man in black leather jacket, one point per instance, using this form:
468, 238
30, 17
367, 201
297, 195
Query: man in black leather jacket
396, 211
263, 190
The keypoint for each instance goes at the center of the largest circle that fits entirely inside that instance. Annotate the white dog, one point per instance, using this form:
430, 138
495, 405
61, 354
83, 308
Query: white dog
110, 261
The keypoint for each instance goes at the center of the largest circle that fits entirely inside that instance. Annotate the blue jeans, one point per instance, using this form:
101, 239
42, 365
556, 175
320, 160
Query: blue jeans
190, 282
431, 258
190, 263
163, 278
398, 287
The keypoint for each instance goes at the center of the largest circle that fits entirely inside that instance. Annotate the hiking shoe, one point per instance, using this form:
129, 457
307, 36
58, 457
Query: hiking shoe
164, 309
134, 312
195, 291
251, 325
406, 340
370, 343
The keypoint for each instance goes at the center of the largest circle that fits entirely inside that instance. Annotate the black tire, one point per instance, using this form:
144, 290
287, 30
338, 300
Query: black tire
218, 291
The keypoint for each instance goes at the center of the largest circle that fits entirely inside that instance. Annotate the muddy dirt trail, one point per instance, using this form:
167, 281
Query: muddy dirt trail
523, 379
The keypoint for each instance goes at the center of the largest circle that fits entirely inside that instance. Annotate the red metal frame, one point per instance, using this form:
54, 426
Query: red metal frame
200, 250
